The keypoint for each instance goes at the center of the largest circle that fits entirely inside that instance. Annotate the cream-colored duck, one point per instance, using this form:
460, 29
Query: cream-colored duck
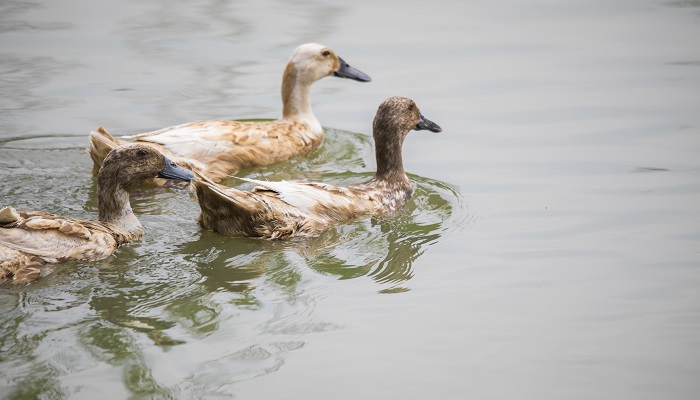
30, 239
218, 148
276, 210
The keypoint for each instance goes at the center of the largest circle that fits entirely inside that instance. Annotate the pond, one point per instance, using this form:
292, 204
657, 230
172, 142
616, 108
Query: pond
551, 249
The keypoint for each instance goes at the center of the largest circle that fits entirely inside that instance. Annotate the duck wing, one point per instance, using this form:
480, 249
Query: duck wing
205, 141
54, 238
219, 148
255, 214
322, 200
202, 142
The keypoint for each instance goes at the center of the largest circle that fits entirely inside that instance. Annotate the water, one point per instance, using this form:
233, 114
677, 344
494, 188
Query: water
551, 249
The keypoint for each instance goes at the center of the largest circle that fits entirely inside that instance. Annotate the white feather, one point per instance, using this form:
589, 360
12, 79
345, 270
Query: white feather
304, 196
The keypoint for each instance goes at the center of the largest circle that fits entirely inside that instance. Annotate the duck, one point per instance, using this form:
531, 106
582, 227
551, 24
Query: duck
218, 148
31, 239
285, 209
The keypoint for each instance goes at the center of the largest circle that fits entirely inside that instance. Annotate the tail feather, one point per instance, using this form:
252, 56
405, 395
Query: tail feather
255, 214
206, 188
101, 143
227, 210
8, 215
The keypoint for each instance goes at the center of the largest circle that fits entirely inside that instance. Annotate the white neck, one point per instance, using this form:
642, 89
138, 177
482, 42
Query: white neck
296, 105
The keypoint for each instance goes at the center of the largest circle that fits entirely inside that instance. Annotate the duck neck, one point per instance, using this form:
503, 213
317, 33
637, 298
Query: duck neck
113, 203
295, 95
389, 159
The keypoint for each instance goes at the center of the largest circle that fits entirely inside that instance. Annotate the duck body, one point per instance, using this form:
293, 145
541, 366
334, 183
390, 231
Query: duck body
31, 239
35, 238
278, 210
217, 148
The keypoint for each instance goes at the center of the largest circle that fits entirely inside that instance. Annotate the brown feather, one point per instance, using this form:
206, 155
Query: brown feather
278, 210
218, 148
30, 239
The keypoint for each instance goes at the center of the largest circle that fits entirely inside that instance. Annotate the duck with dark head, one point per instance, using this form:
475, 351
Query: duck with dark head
31, 239
277, 210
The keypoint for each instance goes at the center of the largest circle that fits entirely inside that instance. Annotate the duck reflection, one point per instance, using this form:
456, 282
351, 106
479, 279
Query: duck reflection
185, 292
236, 265
383, 249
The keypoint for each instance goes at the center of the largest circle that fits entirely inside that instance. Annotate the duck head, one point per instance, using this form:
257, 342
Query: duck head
400, 115
396, 116
312, 62
133, 163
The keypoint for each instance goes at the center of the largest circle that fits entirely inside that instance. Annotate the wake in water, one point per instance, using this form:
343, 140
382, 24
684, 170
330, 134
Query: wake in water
383, 248
185, 288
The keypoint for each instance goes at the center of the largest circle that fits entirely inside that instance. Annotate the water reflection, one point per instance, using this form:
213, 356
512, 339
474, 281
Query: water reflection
170, 318
184, 290
233, 307
234, 265
33, 320
383, 249
386, 248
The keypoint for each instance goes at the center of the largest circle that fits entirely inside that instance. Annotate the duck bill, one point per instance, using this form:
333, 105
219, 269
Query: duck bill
427, 125
346, 71
174, 171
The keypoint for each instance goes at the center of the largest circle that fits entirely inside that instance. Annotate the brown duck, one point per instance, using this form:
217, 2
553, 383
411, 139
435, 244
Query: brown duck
277, 210
31, 239
218, 148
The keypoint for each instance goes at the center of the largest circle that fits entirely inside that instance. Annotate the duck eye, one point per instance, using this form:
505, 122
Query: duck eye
326, 53
411, 106
142, 153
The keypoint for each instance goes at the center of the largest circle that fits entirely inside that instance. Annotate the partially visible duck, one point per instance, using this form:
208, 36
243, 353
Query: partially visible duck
218, 148
277, 210
30, 239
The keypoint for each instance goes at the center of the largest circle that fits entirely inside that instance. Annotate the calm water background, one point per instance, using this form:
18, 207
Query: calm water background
552, 249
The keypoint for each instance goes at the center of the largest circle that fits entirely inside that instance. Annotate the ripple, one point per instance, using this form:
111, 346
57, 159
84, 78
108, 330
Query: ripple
184, 288
385, 248
645, 170
47, 173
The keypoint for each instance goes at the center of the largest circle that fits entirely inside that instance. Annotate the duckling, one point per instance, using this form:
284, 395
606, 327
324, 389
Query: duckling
219, 148
278, 210
31, 239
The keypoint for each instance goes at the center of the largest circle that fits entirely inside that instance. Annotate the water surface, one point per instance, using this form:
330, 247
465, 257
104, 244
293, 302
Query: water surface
550, 251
